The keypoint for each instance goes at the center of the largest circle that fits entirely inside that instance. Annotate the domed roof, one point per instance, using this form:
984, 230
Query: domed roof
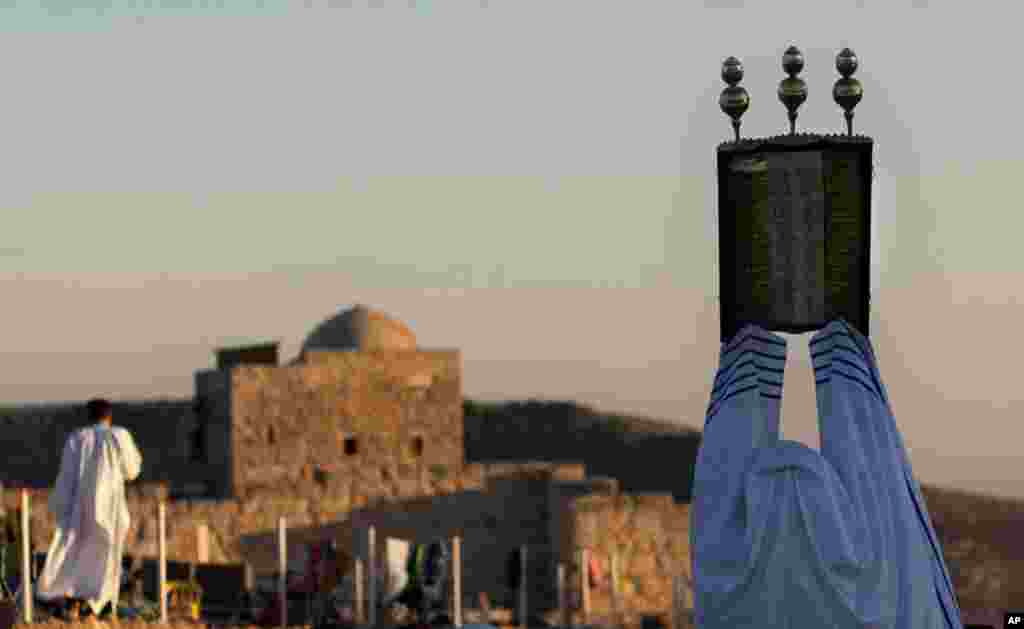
360, 329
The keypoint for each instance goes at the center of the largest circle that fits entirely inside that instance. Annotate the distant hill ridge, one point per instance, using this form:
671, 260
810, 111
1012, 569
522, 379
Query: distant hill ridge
582, 416
609, 444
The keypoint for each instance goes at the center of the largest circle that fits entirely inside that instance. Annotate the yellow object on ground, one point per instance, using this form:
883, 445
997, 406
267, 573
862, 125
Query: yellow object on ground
184, 598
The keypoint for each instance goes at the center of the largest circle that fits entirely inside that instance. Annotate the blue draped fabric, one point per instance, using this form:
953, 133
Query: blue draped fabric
782, 536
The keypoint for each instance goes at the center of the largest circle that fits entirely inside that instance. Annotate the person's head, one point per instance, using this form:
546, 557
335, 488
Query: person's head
100, 410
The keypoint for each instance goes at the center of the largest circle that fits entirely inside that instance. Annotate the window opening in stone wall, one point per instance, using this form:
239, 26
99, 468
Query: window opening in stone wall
351, 446
271, 435
417, 446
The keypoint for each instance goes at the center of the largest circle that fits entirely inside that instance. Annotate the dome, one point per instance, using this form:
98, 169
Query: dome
360, 329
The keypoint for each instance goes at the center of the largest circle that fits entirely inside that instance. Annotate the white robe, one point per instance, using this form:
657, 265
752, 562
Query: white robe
88, 501
397, 554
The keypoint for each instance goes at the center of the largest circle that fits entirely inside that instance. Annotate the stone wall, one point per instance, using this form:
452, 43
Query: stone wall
494, 509
345, 414
650, 536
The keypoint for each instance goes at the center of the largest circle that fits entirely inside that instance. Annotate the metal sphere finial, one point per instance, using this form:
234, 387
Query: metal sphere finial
734, 100
792, 61
846, 62
792, 89
847, 91
732, 71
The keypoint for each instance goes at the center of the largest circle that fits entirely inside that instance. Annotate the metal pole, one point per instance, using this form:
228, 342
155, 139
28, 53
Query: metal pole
26, 558
371, 571
357, 581
202, 543
616, 607
162, 524
562, 617
457, 578
282, 567
585, 584
522, 586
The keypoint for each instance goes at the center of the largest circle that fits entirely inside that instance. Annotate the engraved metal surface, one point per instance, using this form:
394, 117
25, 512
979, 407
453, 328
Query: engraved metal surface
794, 224
780, 237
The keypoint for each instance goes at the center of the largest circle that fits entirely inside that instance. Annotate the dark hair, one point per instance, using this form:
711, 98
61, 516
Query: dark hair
98, 409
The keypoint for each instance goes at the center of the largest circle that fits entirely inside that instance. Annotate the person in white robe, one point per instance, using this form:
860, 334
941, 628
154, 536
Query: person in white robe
88, 502
784, 536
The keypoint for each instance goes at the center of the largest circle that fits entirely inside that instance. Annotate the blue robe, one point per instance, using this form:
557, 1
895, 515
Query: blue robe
782, 536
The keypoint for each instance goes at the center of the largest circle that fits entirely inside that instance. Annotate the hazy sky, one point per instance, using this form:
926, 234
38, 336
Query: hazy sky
532, 182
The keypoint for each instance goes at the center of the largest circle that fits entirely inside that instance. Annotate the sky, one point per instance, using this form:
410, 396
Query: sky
531, 182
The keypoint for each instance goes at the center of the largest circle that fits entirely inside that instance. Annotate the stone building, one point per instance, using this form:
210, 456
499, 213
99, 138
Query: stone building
361, 394
363, 428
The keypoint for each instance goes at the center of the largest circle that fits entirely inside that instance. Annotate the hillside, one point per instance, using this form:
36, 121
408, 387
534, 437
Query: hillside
980, 535
612, 445
981, 540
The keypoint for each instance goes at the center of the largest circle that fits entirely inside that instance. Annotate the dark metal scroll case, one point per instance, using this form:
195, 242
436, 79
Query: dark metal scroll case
734, 100
847, 91
792, 89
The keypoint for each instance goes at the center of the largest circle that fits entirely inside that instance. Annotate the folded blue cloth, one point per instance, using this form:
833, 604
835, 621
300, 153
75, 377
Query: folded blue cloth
782, 536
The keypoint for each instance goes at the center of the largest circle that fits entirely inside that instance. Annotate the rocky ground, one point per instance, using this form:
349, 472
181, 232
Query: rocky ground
120, 624
140, 624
